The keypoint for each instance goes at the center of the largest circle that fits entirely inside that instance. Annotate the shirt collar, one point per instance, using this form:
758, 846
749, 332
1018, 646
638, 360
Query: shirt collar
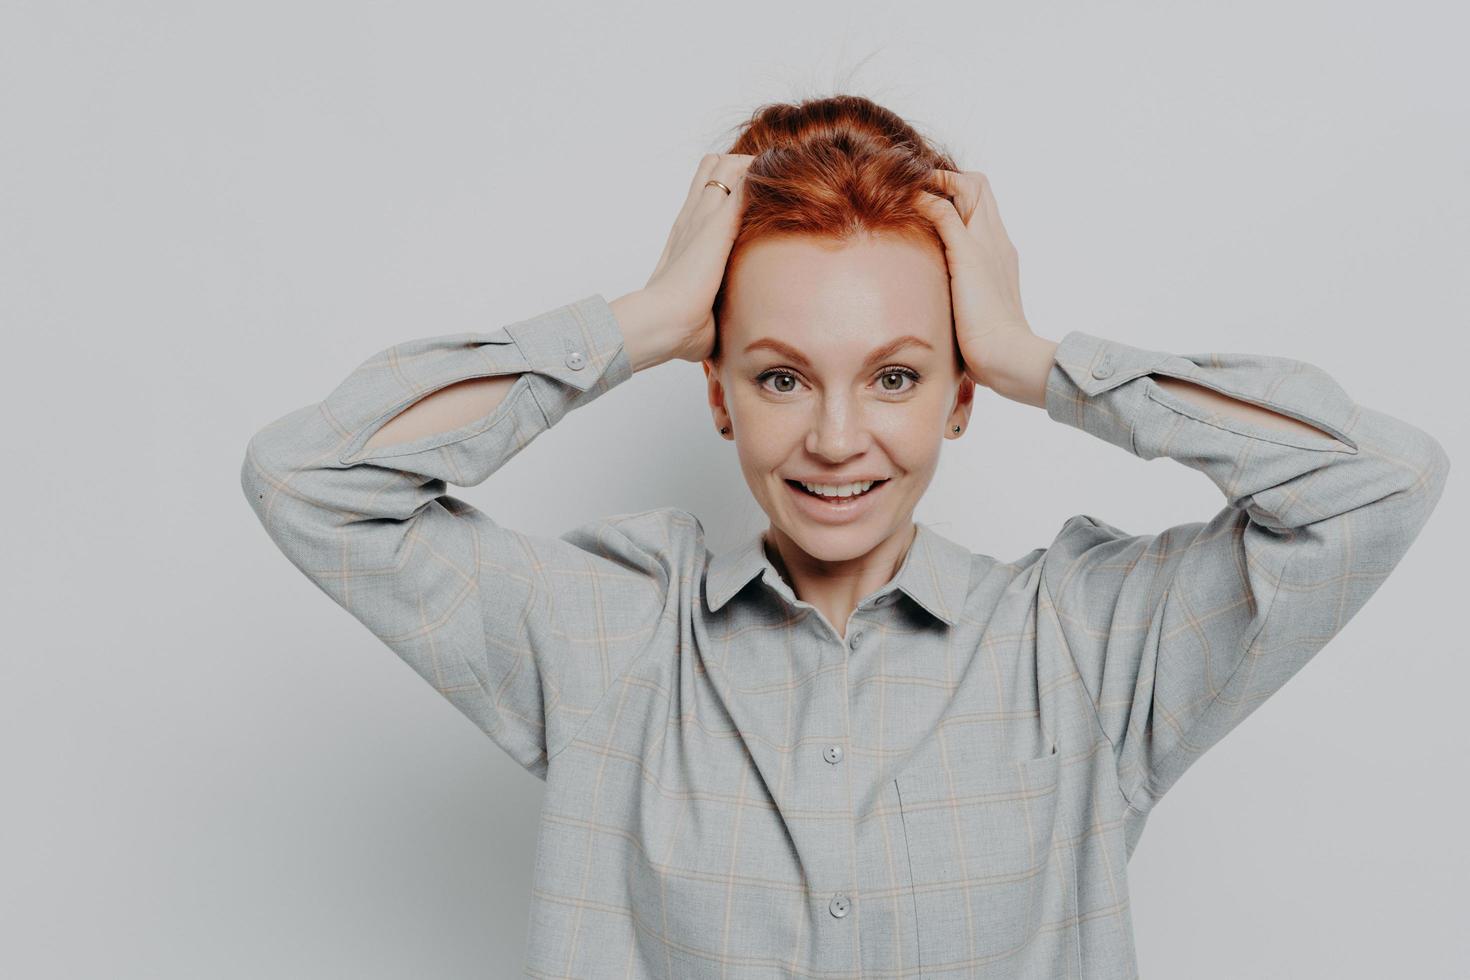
935, 573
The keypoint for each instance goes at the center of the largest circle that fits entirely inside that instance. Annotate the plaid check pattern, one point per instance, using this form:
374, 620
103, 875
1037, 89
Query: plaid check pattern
950, 787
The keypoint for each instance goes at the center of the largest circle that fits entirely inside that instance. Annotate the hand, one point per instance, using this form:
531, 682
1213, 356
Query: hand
984, 268
684, 283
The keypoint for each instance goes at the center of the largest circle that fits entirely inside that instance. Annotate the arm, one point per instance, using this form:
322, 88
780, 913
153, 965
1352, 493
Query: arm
523, 634
1020, 373
462, 402
1180, 635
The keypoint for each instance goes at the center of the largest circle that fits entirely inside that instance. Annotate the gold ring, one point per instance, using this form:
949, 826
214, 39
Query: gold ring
715, 183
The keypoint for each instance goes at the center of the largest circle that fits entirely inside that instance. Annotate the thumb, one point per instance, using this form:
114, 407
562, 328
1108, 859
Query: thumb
951, 227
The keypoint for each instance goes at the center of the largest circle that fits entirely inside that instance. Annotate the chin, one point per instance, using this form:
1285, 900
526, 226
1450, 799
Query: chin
826, 542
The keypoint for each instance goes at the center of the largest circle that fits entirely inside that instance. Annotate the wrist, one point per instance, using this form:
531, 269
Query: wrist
645, 335
1015, 367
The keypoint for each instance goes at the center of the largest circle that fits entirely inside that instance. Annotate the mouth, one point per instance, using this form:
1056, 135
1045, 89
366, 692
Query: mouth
836, 509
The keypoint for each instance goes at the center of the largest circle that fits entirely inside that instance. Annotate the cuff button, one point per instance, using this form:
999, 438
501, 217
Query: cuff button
576, 361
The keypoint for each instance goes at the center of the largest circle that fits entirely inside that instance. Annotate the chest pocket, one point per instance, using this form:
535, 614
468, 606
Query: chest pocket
978, 831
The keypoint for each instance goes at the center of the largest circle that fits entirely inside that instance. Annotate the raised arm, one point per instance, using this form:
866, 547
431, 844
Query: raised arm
523, 634
1181, 634
462, 402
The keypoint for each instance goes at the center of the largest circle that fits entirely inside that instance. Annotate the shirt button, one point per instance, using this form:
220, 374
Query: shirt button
1104, 368
857, 639
833, 754
838, 906
576, 361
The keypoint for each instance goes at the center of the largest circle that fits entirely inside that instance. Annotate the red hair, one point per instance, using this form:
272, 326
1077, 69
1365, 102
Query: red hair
833, 168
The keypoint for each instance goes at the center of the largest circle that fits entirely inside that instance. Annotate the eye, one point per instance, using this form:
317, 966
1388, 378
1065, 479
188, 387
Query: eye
780, 375
885, 378
896, 371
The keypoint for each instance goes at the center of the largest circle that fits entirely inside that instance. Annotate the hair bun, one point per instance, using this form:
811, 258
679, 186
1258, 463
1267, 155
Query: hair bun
847, 124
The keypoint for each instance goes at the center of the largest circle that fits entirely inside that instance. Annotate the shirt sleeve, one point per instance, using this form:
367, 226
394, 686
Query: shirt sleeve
1179, 635
523, 634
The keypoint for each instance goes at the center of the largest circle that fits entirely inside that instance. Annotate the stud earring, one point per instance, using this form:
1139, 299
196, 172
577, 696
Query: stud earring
724, 429
957, 428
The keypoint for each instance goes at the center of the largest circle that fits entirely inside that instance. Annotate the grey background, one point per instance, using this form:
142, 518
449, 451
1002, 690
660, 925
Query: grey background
210, 770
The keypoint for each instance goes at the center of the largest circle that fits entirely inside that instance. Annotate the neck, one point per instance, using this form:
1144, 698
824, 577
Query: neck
836, 586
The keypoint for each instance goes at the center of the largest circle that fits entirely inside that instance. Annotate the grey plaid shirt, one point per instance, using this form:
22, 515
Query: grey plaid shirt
733, 790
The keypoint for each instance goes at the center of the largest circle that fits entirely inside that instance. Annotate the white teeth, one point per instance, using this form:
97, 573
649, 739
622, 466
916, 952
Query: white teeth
842, 490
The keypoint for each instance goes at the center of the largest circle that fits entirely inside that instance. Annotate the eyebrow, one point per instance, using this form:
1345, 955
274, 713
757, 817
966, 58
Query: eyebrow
881, 353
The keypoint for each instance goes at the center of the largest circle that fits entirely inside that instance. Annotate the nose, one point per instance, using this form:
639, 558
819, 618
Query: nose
839, 431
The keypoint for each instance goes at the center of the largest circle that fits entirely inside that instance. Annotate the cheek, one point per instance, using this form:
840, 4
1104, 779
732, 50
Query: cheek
912, 439
915, 425
765, 428
764, 442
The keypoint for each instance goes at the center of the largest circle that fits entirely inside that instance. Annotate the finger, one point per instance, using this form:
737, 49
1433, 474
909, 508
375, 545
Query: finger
715, 222
947, 184
980, 185
718, 222
992, 212
939, 210
737, 202
985, 211
1009, 257
697, 186
964, 188
707, 165
951, 227
989, 213
730, 171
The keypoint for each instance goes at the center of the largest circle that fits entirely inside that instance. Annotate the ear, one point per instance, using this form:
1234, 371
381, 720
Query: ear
717, 397
964, 401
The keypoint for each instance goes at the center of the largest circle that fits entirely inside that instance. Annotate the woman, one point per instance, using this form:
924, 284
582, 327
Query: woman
848, 747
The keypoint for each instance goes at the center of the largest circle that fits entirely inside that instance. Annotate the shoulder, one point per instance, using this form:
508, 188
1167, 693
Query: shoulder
667, 539
1086, 527
661, 528
1083, 534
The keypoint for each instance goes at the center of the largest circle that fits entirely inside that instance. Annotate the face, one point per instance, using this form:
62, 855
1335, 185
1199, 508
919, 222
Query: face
838, 365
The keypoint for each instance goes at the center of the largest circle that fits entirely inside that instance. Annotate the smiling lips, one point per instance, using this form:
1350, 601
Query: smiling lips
838, 509
837, 488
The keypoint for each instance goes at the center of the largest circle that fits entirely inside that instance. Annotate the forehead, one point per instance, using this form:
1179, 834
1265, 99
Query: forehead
823, 296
